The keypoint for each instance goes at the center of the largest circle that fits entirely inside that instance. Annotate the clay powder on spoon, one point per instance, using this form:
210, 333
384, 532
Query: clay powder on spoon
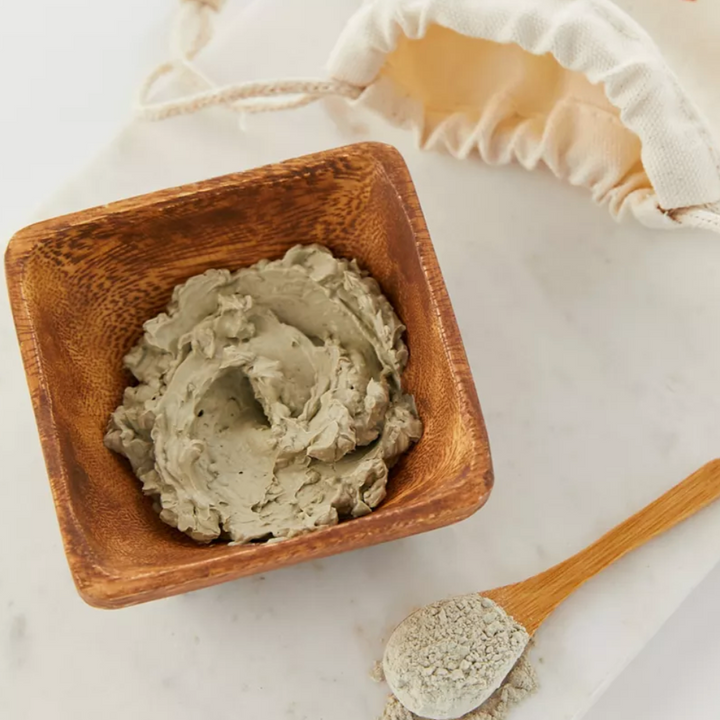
449, 657
269, 401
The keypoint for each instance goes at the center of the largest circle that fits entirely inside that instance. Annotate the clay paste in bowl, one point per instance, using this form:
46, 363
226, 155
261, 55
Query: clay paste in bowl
269, 400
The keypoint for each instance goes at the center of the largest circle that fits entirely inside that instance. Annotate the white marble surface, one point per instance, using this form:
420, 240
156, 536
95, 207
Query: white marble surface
69, 76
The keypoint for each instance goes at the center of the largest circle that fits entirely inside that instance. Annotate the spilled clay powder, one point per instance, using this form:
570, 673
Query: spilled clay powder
269, 400
520, 683
449, 657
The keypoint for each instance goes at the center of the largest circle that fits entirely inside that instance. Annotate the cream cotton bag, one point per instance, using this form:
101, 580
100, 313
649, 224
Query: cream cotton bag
575, 85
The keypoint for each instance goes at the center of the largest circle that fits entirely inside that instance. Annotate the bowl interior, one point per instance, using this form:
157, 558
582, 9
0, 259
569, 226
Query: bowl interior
89, 281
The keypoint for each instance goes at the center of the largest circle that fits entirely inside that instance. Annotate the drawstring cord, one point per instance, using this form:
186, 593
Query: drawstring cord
192, 31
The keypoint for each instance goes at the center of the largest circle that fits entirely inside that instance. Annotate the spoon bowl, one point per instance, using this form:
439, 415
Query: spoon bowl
469, 642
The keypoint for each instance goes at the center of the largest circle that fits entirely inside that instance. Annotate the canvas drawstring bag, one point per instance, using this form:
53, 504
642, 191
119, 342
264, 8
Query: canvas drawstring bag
575, 85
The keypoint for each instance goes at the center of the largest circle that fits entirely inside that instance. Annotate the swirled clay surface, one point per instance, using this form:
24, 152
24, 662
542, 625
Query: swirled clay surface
269, 400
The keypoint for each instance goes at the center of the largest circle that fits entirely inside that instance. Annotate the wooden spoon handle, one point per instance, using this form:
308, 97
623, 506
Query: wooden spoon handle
532, 600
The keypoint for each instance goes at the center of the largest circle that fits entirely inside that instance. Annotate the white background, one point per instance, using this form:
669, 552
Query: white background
67, 72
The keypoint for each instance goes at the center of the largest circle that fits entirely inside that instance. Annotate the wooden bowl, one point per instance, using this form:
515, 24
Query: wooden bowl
82, 285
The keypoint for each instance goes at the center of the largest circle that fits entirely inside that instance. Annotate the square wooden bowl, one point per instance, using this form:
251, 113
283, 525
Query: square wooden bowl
82, 285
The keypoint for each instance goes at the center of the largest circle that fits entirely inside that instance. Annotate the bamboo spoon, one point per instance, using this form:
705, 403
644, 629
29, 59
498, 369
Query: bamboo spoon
531, 601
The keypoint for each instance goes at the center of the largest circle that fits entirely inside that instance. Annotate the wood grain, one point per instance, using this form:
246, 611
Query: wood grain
82, 285
532, 600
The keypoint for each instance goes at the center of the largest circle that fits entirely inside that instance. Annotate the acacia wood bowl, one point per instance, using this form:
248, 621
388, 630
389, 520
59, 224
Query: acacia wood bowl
82, 285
